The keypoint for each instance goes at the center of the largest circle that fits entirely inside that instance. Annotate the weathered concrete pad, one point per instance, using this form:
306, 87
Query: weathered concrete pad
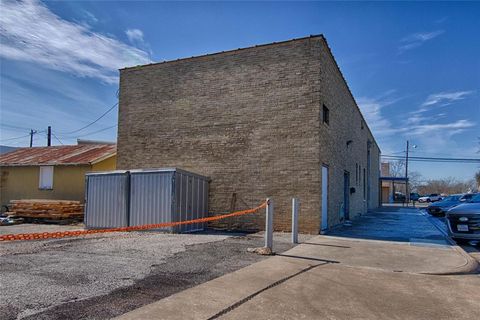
388, 255
337, 292
358, 275
206, 300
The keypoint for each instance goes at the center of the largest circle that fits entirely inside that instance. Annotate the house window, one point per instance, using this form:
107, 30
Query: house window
46, 178
326, 115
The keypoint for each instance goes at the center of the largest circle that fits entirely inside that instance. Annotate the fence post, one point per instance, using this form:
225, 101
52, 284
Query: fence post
269, 224
295, 205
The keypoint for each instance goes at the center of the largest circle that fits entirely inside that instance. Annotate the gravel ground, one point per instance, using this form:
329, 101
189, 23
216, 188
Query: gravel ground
105, 275
30, 228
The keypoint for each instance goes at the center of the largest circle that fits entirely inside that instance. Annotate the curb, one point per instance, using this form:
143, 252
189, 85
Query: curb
471, 265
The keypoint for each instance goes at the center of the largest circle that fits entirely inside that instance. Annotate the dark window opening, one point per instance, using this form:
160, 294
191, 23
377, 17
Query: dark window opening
359, 174
364, 184
326, 115
356, 174
362, 125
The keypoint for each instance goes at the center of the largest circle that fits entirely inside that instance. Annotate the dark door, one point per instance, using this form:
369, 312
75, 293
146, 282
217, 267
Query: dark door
346, 195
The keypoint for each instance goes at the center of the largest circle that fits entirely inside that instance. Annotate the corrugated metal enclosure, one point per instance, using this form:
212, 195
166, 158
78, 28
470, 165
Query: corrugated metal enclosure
149, 196
106, 199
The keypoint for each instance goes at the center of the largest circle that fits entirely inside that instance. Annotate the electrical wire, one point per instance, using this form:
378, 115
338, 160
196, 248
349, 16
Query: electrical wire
430, 158
101, 130
2, 125
15, 138
53, 134
93, 122
433, 159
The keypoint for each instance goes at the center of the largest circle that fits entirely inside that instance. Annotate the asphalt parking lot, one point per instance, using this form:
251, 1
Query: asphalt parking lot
105, 275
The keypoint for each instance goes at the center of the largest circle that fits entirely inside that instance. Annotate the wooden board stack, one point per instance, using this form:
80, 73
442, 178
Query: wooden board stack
47, 209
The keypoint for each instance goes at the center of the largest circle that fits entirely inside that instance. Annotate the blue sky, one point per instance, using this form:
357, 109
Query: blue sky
414, 68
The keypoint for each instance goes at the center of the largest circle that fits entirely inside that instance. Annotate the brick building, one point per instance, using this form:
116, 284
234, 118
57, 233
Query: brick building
275, 120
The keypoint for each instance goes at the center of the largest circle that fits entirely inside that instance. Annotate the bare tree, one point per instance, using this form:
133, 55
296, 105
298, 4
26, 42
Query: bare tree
397, 168
447, 186
414, 181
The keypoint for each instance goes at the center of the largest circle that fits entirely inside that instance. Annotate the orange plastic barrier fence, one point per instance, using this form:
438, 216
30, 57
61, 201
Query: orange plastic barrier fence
76, 233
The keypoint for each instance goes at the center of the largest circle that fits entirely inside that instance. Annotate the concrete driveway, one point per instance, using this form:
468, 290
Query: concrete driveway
393, 264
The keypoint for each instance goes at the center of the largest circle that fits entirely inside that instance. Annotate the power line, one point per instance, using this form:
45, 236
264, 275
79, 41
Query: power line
433, 159
15, 138
57, 138
2, 125
93, 122
386, 155
101, 130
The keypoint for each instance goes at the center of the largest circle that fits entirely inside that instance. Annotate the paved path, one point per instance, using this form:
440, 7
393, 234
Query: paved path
359, 273
394, 224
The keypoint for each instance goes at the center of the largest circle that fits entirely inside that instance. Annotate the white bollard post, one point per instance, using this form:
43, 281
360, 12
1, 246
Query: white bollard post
295, 205
269, 224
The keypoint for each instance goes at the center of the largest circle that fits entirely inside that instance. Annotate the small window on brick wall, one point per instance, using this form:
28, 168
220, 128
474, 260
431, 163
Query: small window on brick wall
326, 115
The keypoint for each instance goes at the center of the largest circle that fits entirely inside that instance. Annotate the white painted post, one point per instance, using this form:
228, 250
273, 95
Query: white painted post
269, 224
295, 205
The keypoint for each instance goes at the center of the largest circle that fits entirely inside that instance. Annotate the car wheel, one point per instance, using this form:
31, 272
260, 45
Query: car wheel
428, 200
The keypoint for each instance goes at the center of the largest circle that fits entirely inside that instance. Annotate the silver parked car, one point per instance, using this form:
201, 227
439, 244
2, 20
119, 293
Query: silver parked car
464, 220
430, 198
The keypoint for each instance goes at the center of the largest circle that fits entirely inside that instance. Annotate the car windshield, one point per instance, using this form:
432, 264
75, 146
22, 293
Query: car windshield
475, 198
452, 198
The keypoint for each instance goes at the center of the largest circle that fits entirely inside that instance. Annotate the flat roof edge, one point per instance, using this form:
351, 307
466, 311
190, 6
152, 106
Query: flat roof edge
223, 52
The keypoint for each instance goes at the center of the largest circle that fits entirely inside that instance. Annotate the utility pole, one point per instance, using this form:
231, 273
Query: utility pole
407, 195
49, 136
32, 132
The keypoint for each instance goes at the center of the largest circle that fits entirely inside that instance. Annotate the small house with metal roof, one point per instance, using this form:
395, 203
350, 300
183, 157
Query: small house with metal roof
55, 172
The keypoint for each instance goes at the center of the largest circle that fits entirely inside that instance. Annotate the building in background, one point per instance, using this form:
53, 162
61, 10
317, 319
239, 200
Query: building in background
275, 120
56, 172
393, 188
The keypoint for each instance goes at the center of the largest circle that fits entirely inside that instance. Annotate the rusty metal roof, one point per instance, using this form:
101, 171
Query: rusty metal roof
58, 155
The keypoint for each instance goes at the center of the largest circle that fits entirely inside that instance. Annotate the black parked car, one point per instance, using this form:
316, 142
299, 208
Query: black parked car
464, 220
440, 207
414, 196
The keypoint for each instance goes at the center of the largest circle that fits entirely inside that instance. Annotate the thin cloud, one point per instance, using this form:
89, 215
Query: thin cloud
445, 98
134, 35
372, 110
29, 31
425, 131
448, 128
90, 16
417, 39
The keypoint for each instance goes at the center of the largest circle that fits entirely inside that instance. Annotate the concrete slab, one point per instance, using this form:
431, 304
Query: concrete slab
336, 292
362, 259
206, 300
386, 255
379, 268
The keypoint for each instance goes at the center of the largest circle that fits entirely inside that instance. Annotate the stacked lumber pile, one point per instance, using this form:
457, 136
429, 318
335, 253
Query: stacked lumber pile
47, 209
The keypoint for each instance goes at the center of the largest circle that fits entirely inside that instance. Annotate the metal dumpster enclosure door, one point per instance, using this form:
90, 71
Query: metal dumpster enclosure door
106, 200
151, 197
191, 200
